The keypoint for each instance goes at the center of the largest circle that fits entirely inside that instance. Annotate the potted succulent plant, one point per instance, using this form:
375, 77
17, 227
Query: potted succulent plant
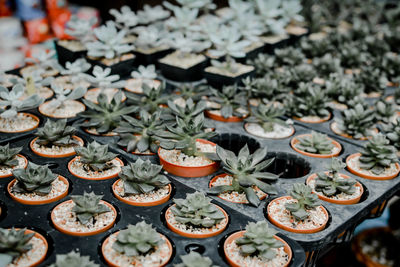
335, 187
377, 160
391, 64
341, 88
385, 111
289, 56
392, 132
301, 212
64, 104
257, 245
245, 180
12, 120
196, 217
37, 185
373, 81
95, 162
193, 259
265, 121
44, 61
326, 65
109, 50
228, 105
55, 140
104, 117
143, 75
126, 20
317, 145
139, 243
151, 99
71, 75
142, 184
83, 215
34, 83
73, 259
184, 150
22, 247
10, 159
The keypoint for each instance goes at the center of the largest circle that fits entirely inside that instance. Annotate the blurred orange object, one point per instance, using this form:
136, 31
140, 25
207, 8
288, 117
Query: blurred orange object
37, 30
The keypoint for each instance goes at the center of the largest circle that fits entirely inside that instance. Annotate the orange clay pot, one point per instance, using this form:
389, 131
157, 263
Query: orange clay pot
220, 118
321, 120
165, 259
54, 156
349, 136
223, 175
337, 201
291, 127
37, 202
10, 174
293, 230
171, 227
37, 235
141, 204
189, 171
233, 237
68, 232
98, 89
294, 141
29, 129
372, 177
40, 108
88, 178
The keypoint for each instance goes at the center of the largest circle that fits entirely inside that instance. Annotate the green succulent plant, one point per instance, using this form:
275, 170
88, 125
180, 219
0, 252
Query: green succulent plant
316, 48
196, 93
106, 116
150, 100
300, 73
372, 79
377, 154
289, 56
230, 100
247, 171
306, 200
8, 156
73, 259
316, 143
331, 183
351, 56
142, 177
13, 243
326, 65
56, 133
197, 210
342, 88
194, 259
34, 179
392, 132
269, 87
267, 116
87, 206
187, 112
95, 156
259, 240
140, 133
138, 239
263, 64
384, 111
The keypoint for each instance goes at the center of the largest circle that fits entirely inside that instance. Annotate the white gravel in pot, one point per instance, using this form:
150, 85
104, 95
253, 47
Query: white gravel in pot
47, 72
44, 92
92, 94
6, 170
240, 110
278, 132
95, 132
354, 163
58, 187
240, 69
21, 123
109, 62
183, 62
341, 196
73, 45
152, 196
313, 119
33, 255
135, 85
66, 82
7, 77
55, 150
77, 167
69, 110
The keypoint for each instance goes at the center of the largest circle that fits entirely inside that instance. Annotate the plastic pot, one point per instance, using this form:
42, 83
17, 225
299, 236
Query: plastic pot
89, 178
295, 141
52, 155
369, 176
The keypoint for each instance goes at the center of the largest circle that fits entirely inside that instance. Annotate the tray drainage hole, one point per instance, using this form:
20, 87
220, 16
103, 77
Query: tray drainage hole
195, 247
235, 142
288, 165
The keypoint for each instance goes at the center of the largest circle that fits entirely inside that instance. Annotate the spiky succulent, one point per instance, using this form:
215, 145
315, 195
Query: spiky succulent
197, 210
142, 177
183, 136
8, 156
73, 259
247, 170
150, 100
106, 116
326, 65
13, 243
270, 87
316, 143
377, 154
36, 179
289, 56
384, 111
306, 200
87, 206
316, 48
138, 239
357, 121
392, 131
95, 156
267, 116
56, 133
194, 259
259, 240
230, 100
331, 183
351, 56
263, 64
372, 79
138, 134
298, 74
196, 93
342, 88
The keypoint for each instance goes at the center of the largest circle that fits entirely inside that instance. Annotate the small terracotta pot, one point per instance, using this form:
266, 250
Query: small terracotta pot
41, 237
168, 213
141, 204
337, 201
293, 230
156, 82
233, 237
29, 129
220, 118
110, 263
54, 156
223, 175
291, 127
88, 178
37, 202
346, 135
321, 120
25, 165
372, 177
40, 108
189, 171
295, 140
68, 232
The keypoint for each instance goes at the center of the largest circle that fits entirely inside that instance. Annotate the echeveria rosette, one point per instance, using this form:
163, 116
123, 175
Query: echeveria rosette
56, 133
392, 131
316, 143
267, 116
8, 156
14, 243
87, 206
73, 259
305, 200
194, 259
230, 99
95, 156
